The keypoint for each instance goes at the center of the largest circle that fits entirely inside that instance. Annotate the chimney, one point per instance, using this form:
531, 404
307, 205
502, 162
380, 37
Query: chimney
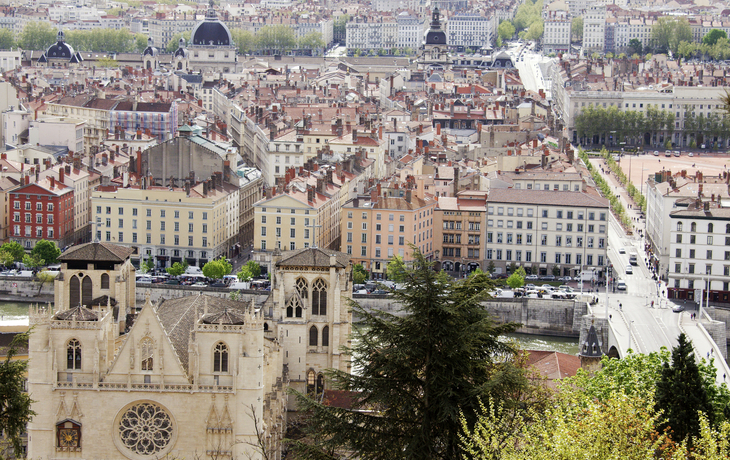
310, 193
53, 182
456, 180
374, 195
408, 195
354, 136
60, 175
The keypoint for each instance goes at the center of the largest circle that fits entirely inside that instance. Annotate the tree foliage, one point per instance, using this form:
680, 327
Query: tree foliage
14, 250
635, 46
713, 36
251, 270
669, 31
396, 269
103, 40
15, 403
217, 269
276, 39
146, 266
681, 393
340, 25
628, 125
7, 39
517, 278
528, 13
506, 30
46, 250
174, 42
245, 40
37, 35
576, 28
177, 269
359, 274
419, 373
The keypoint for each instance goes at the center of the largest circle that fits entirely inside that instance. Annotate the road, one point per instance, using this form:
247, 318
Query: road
636, 322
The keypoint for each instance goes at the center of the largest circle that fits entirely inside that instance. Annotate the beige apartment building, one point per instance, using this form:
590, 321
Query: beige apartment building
376, 228
539, 230
459, 223
169, 225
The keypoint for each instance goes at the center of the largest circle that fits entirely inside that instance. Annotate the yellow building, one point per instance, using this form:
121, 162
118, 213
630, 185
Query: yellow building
376, 228
458, 224
169, 225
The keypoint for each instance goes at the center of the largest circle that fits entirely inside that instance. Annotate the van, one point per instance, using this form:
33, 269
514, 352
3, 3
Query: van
240, 285
633, 258
193, 270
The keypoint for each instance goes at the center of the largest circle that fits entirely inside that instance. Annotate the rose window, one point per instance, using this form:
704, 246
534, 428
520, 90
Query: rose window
146, 429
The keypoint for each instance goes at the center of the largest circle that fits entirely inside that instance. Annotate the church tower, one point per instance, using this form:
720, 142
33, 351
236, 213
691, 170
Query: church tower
151, 56
590, 352
181, 58
434, 52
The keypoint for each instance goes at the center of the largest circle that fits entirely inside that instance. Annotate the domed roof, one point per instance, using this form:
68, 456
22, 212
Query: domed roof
211, 31
224, 317
435, 35
150, 50
61, 49
181, 51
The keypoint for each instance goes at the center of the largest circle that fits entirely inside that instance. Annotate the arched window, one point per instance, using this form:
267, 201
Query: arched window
302, 288
679, 226
73, 355
104, 281
220, 358
298, 312
326, 336
319, 297
147, 354
293, 307
311, 380
320, 384
86, 291
313, 336
289, 312
693, 227
74, 292
710, 228
266, 327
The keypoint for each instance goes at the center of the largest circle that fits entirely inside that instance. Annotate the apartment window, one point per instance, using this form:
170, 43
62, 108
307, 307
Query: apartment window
149, 213
691, 253
544, 213
691, 268
363, 251
205, 242
205, 216
709, 255
149, 237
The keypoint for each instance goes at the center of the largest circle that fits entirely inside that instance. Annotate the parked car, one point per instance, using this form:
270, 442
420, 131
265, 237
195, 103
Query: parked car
530, 286
361, 291
531, 278
548, 277
656, 153
172, 282
622, 250
565, 278
691, 154
629, 270
380, 292
678, 308
200, 284
621, 285
218, 284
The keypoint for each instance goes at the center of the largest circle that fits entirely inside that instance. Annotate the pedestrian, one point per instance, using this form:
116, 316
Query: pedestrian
620, 307
610, 317
708, 355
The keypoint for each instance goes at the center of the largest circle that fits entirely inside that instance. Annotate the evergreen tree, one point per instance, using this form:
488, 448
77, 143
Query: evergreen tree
417, 374
681, 393
15, 411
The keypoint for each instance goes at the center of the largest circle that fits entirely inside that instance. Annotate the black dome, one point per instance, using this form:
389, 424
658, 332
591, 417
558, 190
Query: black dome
150, 50
435, 37
61, 49
211, 31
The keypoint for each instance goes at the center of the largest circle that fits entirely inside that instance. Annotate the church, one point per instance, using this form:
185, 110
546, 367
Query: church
193, 376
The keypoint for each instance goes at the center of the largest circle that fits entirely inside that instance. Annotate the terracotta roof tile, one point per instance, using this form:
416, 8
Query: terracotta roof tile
97, 252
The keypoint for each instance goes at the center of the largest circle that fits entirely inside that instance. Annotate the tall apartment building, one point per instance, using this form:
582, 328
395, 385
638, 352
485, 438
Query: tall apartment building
168, 225
470, 30
410, 31
540, 229
376, 228
459, 224
367, 33
557, 30
42, 210
164, 29
699, 255
594, 28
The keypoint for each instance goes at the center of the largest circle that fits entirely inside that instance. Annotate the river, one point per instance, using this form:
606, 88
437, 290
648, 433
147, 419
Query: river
16, 314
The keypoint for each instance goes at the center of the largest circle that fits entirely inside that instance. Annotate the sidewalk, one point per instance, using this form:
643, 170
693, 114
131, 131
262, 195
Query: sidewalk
700, 339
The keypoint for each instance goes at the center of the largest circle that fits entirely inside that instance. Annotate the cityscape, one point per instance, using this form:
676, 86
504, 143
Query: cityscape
223, 220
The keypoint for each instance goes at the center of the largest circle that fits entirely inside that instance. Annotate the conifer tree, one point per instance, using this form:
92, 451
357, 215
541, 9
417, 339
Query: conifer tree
416, 374
681, 394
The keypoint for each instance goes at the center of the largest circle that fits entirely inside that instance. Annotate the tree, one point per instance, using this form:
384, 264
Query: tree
147, 266
635, 46
359, 274
46, 250
44, 277
311, 41
396, 269
6, 258
37, 35
681, 394
277, 39
713, 36
669, 31
15, 410
535, 31
7, 39
576, 28
33, 261
339, 28
505, 30
251, 270
140, 42
217, 269
418, 373
517, 278
245, 40
14, 250
177, 269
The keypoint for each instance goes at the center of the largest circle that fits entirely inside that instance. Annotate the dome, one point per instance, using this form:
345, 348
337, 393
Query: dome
211, 31
435, 35
150, 50
181, 51
61, 49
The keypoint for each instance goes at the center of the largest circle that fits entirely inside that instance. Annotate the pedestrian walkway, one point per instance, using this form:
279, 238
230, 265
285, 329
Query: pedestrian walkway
695, 332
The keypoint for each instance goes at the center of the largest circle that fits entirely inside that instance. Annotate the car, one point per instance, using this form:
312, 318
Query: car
678, 308
172, 282
621, 285
531, 278
547, 287
668, 153
656, 153
629, 270
565, 288
548, 277
565, 278
200, 284
622, 250
218, 284
361, 291
676, 153
530, 286
691, 154
380, 292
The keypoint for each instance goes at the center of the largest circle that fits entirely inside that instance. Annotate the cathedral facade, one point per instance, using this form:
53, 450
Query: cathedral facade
190, 377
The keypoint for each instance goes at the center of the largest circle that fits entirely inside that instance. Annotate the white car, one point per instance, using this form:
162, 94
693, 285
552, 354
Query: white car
621, 285
622, 250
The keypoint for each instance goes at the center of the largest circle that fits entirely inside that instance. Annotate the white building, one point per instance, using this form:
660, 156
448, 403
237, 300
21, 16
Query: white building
594, 28
15, 121
699, 255
410, 31
470, 30
64, 131
539, 230
369, 34
557, 30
